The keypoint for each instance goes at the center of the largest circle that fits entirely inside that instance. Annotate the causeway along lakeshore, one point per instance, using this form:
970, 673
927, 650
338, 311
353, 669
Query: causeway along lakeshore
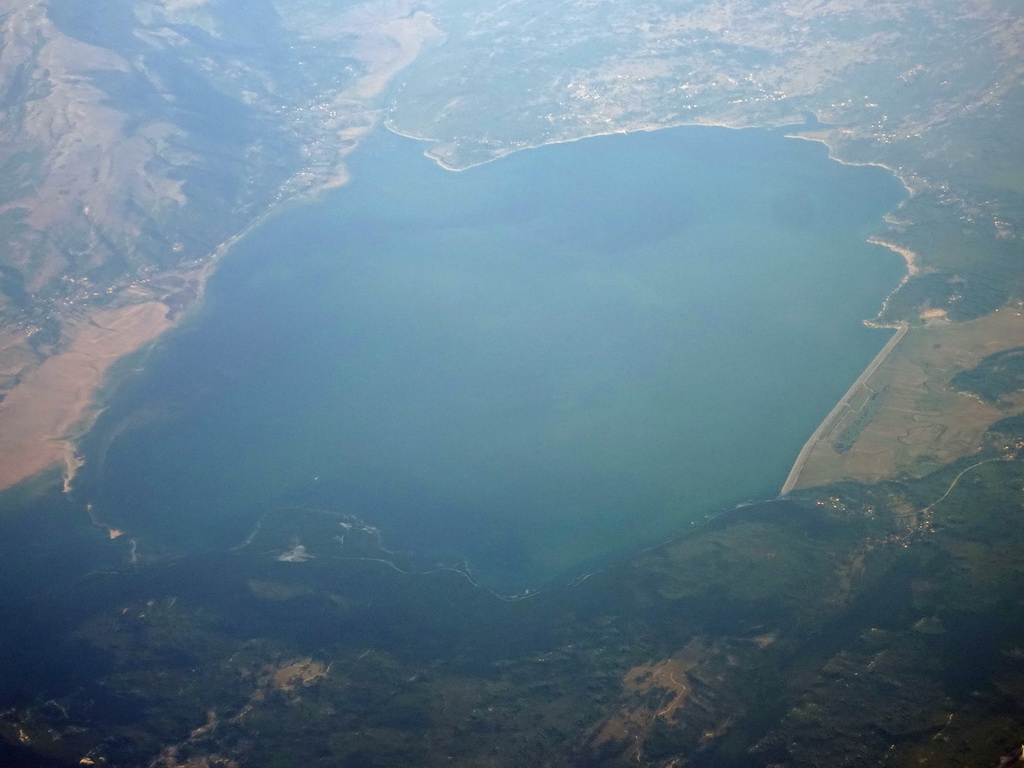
823, 428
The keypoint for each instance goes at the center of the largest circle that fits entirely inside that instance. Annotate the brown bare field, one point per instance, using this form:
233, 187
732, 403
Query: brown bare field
919, 421
41, 415
300, 672
642, 686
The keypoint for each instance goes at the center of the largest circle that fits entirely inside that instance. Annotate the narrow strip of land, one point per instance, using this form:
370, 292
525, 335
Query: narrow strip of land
823, 428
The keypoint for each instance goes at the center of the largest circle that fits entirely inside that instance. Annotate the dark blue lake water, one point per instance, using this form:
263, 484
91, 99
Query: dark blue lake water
535, 365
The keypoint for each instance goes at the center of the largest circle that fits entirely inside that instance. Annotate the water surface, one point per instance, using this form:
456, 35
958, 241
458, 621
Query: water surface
534, 365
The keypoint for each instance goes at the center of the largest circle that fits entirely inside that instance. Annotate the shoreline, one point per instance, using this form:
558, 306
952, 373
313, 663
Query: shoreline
388, 125
910, 258
768, 126
794, 473
866, 163
44, 415
40, 432
78, 372
48, 443
43, 418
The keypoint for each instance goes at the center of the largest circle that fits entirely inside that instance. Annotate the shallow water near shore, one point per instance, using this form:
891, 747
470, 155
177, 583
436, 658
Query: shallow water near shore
535, 366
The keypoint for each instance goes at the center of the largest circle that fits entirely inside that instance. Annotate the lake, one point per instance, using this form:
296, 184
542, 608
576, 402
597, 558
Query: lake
534, 366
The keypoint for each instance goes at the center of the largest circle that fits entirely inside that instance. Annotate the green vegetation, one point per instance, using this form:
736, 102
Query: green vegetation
996, 376
867, 412
816, 631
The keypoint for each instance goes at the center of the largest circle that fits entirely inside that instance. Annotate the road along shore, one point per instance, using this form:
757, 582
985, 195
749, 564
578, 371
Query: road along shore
826, 424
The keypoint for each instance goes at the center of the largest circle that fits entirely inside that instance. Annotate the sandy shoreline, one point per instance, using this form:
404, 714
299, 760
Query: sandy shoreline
794, 474
569, 140
41, 417
908, 255
53, 404
821, 139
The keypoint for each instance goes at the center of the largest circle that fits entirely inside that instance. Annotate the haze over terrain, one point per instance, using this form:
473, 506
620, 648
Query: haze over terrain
175, 598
